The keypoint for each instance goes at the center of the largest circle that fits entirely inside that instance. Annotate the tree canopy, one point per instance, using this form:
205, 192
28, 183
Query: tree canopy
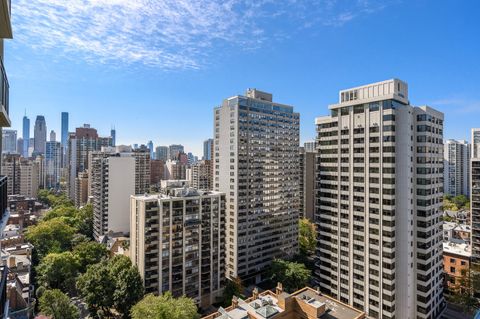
113, 283
165, 307
291, 274
89, 253
307, 237
57, 305
51, 236
232, 288
58, 271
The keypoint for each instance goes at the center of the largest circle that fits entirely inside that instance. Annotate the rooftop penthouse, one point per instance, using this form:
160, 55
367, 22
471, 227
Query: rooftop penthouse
305, 303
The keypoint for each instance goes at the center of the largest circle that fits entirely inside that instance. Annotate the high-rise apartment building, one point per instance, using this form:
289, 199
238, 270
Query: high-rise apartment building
26, 135
161, 153
200, 175
20, 146
157, 170
39, 160
80, 144
310, 146
174, 151
177, 241
257, 166
208, 149
175, 170
22, 175
81, 183
475, 143
39, 135
475, 209
379, 191
9, 141
53, 164
307, 183
457, 168
112, 183
11, 170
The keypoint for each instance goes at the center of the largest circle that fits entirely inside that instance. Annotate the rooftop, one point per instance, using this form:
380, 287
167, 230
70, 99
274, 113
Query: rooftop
464, 250
305, 303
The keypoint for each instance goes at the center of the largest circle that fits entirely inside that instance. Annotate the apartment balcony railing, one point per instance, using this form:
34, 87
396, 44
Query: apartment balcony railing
4, 95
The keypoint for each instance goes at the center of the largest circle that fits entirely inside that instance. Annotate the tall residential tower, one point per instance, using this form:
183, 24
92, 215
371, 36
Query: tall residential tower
457, 168
378, 197
257, 166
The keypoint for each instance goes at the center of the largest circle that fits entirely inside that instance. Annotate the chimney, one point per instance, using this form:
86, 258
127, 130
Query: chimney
255, 293
234, 302
279, 288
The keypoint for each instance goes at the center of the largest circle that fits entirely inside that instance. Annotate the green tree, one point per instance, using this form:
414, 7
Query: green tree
291, 274
57, 305
97, 288
307, 237
128, 284
165, 307
52, 236
85, 217
460, 201
58, 271
232, 288
89, 253
464, 293
115, 283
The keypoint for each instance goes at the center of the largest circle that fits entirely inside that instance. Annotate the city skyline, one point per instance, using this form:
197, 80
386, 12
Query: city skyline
302, 63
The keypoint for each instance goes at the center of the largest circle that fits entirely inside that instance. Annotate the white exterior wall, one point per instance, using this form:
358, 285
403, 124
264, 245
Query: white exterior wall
121, 185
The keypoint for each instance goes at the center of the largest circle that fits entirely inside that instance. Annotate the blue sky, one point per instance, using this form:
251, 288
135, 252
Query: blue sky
155, 69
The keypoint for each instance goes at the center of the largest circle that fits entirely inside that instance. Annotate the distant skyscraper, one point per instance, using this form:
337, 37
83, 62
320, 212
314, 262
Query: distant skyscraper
26, 136
64, 130
208, 149
379, 190
53, 163
475, 143
259, 172
9, 144
456, 168
174, 151
53, 136
135, 146
80, 144
20, 146
200, 175
150, 148
40, 135
113, 135
161, 153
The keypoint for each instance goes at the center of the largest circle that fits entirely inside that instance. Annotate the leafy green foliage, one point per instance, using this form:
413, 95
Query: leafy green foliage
89, 253
232, 288
165, 307
463, 294
115, 283
460, 202
307, 237
97, 287
56, 304
52, 236
58, 271
291, 274
52, 199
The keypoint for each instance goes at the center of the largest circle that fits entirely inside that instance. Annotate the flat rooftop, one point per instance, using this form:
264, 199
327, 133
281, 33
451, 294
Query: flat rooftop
464, 250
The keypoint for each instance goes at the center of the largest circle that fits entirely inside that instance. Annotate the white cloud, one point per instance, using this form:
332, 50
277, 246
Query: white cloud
168, 34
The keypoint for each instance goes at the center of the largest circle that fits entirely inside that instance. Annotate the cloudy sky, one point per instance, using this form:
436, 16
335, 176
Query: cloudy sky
155, 69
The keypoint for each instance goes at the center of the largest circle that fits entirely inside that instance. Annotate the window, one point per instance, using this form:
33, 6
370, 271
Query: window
452, 270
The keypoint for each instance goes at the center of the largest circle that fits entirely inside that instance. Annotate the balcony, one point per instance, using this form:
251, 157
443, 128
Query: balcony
4, 94
5, 19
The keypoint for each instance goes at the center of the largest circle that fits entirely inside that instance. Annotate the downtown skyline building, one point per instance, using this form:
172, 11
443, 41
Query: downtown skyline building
379, 190
53, 163
208, 149
39, 135
256, 164
9, 141
457, 168
26, 135
161, 153
174, 151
